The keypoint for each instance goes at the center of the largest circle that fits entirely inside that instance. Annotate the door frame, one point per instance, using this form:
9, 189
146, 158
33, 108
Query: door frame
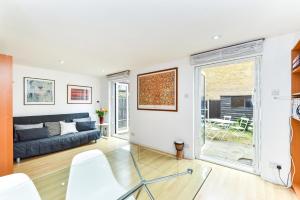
111, 104
256, 113
116, 106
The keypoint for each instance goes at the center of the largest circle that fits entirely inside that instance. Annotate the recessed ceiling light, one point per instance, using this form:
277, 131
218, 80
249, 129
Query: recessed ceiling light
61, 62
216, 37
103, 70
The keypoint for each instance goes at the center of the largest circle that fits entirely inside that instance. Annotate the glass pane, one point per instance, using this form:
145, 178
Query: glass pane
248, 102
237, 102
122, 107
123, 176
228, 123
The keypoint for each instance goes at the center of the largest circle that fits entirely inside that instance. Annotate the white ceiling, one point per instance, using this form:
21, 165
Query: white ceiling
113, 35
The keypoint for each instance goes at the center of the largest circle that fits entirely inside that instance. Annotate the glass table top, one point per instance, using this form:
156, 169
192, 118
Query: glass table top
150, 164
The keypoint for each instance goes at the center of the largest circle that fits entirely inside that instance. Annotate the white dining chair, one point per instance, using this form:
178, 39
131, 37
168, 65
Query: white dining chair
18, 187
91, 178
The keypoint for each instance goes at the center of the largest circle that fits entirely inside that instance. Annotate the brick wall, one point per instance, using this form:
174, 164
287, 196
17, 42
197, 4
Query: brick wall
229, 80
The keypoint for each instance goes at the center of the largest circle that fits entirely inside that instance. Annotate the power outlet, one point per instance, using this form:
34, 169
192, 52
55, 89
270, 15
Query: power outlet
274, 165
275, 92
132, 134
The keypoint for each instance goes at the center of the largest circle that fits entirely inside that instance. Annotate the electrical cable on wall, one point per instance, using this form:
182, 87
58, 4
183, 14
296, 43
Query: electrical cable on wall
286, 184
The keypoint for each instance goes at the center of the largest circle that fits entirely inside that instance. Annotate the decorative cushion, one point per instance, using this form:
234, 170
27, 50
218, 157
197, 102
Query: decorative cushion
32, 134
68, 127
24, 126
82, 119
53, 128
28, 126
85, 126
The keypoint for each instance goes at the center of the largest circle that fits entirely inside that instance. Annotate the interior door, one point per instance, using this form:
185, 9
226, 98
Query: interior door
122, 111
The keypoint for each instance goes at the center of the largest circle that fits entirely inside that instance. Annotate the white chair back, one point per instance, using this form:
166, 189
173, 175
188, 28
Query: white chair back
91, 178
18, 187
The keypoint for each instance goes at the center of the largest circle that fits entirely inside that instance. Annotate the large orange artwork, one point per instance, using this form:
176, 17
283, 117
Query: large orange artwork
158, 90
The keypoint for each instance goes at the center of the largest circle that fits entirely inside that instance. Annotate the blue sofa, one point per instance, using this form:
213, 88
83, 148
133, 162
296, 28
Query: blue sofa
26, 149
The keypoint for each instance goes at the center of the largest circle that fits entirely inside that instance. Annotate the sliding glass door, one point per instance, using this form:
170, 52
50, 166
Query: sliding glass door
227, 101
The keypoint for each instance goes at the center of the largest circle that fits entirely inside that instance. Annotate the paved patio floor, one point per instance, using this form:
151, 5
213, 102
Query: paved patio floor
229, 151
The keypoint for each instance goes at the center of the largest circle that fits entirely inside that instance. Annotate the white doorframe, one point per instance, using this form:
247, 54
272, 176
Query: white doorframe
111, 102
117, 131
256, 111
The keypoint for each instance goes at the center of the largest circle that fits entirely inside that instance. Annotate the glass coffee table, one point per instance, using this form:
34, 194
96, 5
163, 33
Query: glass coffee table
145, 174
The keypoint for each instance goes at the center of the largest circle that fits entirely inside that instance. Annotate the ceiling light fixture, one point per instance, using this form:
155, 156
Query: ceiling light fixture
216, 37
61, 62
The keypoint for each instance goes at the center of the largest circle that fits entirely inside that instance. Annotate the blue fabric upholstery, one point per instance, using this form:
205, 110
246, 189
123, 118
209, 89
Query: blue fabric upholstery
25, 149
85, 126
32, 134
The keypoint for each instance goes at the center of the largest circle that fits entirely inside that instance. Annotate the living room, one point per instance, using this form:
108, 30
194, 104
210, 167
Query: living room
95, 104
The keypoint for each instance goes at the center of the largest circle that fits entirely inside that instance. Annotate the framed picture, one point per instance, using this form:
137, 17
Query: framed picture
79, 94
39, 91
158, 90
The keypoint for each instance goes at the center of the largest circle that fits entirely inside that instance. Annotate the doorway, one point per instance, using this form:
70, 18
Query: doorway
228, 119
121, 110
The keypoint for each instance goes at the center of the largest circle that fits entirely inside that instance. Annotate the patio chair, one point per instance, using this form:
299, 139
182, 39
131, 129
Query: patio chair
250, 126
215, 134
215, 127
241, 127
226, 125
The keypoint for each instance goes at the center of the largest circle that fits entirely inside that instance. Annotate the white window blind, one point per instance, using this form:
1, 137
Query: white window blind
230, 52
118, 75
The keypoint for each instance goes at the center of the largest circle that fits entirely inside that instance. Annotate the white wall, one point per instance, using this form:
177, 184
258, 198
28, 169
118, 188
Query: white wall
62, 79
159, 129
276, 75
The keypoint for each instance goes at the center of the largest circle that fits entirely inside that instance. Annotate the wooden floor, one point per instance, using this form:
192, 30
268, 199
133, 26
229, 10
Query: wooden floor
222, 184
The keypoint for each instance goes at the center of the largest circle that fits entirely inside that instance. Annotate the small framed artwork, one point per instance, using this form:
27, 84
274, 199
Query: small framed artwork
39, 91
79, 94
158, 90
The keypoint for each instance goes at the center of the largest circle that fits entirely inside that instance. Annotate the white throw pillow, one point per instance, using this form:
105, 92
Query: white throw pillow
67, 127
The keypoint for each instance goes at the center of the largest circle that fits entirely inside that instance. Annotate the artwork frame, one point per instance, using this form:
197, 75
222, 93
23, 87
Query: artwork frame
73, 97
31, 98
168, 86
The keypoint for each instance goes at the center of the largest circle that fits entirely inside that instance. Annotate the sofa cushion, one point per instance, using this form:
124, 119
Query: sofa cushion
53, 128
68, 127
27, 126
82, 119
24, 126
85, 126
32, 134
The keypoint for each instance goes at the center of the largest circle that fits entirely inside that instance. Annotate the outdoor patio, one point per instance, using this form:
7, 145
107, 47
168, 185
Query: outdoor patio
228, 144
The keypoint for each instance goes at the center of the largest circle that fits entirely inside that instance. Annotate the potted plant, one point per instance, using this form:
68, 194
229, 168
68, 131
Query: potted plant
101, 113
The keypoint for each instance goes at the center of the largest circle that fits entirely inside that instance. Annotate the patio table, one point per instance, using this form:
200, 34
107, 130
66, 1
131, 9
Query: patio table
223, 122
